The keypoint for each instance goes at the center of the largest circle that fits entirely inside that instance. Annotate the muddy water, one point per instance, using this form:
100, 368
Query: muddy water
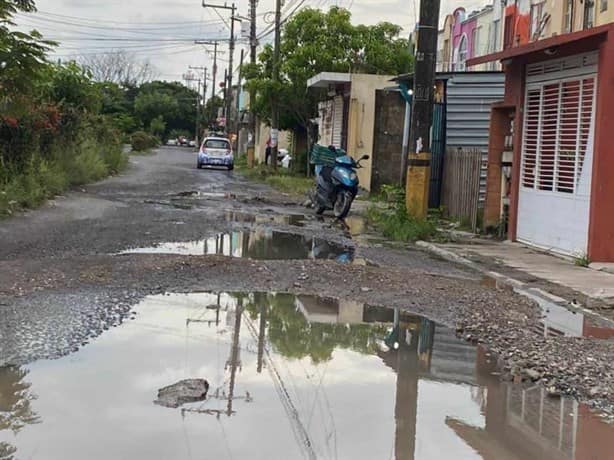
259, 244
290, 378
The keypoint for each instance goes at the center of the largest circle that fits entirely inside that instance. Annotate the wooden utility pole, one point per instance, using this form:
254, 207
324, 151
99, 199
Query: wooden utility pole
275, 100
418, 177
231, 49
198, 111
238, 101
213, 73
253, 43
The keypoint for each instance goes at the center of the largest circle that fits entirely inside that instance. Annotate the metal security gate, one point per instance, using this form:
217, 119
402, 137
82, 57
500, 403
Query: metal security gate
438, 148
337, 121
557, 154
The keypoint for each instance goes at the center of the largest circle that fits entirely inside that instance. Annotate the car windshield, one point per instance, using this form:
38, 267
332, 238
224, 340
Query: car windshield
217, 144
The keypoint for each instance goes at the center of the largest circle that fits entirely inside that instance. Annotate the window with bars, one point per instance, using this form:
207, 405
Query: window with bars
556, 134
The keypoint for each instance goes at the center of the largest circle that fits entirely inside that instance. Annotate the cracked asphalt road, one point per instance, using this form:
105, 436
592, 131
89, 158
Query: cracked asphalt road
65, 275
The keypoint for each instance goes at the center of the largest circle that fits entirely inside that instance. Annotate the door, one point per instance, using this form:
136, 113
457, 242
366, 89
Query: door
557, 154
387, 139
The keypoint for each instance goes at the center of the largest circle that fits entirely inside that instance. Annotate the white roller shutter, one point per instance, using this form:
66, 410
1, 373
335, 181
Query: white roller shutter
337, 120
557, 153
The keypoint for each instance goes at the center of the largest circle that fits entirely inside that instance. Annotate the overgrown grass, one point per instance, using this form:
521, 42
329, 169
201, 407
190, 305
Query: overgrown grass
396, 224
394, 221
582, 260
81, 163
281, 180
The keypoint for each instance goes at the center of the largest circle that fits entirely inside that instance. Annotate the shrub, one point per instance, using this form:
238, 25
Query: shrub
142, 141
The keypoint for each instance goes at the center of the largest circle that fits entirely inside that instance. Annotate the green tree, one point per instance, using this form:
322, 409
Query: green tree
150, 105
173, 101
22, 54
211, 110
314, 41
70, 85
157, 127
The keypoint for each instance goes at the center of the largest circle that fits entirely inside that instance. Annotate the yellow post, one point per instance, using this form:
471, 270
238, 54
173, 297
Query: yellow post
250, 156
418, 182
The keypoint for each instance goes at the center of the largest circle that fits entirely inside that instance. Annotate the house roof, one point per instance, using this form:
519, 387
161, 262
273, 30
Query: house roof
440, 76
542, 45
324, 79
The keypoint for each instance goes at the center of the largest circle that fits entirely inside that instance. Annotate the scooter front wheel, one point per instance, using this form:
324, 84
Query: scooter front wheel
320, 210
343, 203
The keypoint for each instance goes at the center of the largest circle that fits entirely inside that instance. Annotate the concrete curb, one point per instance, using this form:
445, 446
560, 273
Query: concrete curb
521, 288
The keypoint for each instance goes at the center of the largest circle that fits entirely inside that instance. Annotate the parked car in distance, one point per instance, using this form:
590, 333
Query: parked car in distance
192, 143
183, 141
215, 151
172, 142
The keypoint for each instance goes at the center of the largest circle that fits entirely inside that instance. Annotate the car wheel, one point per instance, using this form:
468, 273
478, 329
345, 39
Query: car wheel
199, 166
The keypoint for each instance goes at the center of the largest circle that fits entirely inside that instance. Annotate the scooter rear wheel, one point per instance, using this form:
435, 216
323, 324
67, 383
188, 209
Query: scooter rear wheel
343, 203
320, 210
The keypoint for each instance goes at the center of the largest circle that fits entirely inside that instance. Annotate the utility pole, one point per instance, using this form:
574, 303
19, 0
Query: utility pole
226, 98
275, 100
238, 102
189, 78
198, 111
418, 177
231, 49
253, 43
213, 43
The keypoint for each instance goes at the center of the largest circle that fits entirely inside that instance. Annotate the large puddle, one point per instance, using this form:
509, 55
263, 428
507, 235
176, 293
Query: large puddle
259, 244
290, 378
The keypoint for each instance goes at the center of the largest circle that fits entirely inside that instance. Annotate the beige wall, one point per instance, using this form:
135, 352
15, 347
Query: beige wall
362, 119
556, 10
263, 135
605, 17
484, 25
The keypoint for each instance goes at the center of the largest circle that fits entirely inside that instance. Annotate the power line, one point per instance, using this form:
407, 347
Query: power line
271, 29
98, 21
43, 22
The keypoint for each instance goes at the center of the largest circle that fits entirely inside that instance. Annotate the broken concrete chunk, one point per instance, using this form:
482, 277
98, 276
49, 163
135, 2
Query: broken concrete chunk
183, 392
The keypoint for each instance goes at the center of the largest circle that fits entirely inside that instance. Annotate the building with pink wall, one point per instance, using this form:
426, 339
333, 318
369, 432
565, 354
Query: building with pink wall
462, 38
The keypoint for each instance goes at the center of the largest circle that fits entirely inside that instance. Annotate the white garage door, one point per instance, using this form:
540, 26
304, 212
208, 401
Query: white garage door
557, 154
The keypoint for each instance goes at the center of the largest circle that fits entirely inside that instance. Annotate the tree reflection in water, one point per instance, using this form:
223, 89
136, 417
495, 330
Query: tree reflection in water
7, 452
294, 337
15, 402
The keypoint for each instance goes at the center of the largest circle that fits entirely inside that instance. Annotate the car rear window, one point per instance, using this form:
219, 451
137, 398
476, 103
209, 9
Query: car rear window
217, 144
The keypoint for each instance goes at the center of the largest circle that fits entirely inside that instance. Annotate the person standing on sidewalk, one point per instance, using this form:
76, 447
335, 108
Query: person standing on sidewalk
267, 151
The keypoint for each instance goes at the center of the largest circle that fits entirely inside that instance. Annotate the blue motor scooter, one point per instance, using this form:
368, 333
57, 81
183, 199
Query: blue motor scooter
337, 186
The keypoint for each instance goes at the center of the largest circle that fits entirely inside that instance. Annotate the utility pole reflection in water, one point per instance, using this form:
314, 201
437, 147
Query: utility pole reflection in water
411, 346
234, 355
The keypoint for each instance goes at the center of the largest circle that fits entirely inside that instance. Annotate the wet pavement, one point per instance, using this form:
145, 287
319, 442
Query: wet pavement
310, 377
89, 342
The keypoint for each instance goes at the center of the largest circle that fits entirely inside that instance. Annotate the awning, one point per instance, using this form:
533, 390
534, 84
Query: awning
325, 79
542, 45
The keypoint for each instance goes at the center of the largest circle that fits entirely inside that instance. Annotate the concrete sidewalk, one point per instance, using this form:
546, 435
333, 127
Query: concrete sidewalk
596, 285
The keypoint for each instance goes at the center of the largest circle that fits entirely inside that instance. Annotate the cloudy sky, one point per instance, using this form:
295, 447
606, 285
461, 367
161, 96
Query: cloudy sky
163, 31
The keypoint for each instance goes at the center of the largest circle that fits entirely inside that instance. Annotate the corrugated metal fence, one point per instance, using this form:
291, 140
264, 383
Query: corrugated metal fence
469, 97
461, 185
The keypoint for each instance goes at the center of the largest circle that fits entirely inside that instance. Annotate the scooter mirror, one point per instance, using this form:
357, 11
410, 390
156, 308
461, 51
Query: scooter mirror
364, 157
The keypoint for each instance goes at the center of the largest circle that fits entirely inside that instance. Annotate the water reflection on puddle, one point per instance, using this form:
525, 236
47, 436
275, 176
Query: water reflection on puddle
259, 244
295, 220
557, 319
291, 378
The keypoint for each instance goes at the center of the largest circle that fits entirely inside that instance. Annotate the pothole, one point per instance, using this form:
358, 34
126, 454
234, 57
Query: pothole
297, 376
259, 244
